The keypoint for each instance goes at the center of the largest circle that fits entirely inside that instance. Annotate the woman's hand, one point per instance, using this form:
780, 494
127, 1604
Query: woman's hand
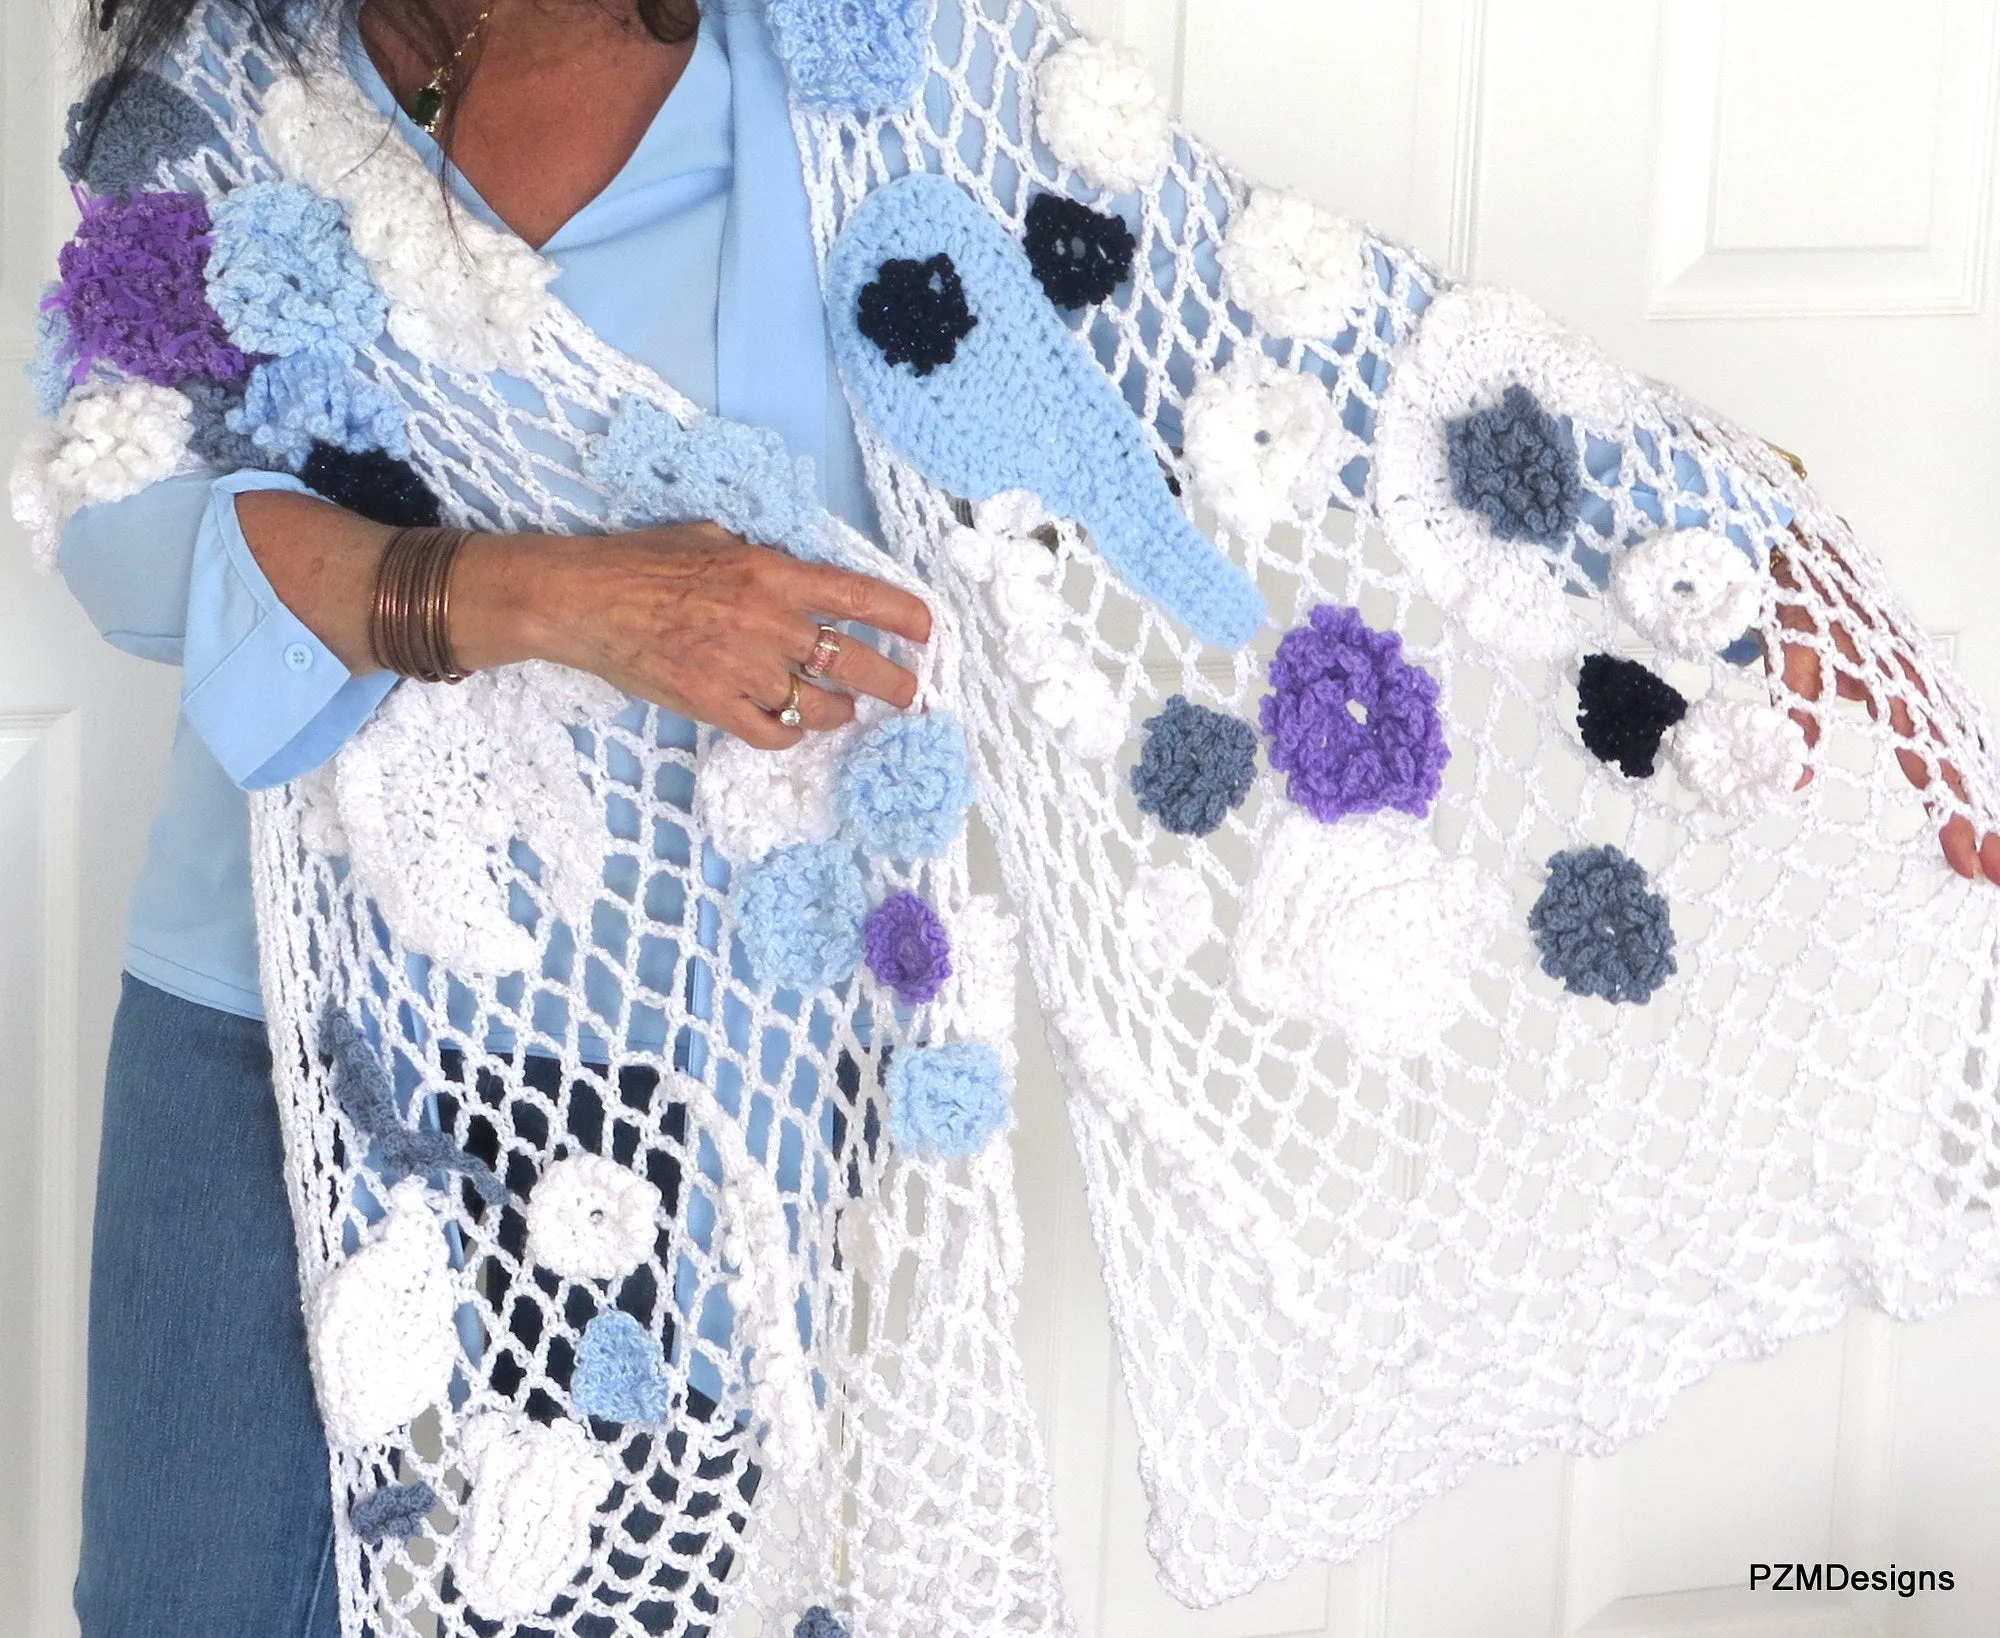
687, 616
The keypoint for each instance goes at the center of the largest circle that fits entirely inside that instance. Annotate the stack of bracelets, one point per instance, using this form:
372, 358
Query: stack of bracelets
409, 625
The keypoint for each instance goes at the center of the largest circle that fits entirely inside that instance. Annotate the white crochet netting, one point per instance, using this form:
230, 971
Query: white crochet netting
915, 1501
1339, 1284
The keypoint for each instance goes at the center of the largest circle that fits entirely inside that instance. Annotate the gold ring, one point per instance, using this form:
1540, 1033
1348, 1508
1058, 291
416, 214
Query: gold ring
824, 653
791, 716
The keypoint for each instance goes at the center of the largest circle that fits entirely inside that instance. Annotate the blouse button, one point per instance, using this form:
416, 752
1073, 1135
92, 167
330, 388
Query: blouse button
298, 656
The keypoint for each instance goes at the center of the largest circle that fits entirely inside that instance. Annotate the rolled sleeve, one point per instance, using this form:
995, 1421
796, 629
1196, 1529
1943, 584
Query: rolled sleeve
268, 698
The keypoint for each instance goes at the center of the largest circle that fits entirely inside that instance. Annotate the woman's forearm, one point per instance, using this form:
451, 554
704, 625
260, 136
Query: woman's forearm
321, 562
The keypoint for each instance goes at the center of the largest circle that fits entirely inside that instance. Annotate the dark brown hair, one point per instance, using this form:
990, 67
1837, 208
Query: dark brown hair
132, 34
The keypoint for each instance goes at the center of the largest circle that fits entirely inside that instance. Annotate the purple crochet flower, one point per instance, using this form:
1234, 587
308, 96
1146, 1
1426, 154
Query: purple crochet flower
908, 948
132, 289
1353, 724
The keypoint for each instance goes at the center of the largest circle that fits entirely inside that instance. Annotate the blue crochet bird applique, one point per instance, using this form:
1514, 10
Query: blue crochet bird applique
956, 356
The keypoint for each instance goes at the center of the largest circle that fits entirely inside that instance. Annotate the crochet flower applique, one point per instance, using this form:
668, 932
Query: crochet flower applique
947, 1102
908, 949
1100, 113
394, 1510
316, 397
284, 276
1623, 711
1264, 443
621, 1371
525, 1529
1196, 766
1739, 758
859, 57
799, 914
1351, 723
752, 802
904, 790
916, 312
1693, 592
1600, 927
590, 1218
1080, 256
819, 1622
1516, 465
133, 295
1294, 266
1365, 928
1168, 915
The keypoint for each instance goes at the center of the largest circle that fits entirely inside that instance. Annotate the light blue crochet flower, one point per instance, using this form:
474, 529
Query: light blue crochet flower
621, 1375
800, 914
48, 371
854, 56
903, 791
745, 478
315, 396
285, 276
947, 1101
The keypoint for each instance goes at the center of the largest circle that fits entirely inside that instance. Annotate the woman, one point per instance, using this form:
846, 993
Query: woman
673, 215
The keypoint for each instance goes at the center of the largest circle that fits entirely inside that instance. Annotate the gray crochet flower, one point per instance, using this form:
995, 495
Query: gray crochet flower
152, 123
1197, 764
1516, 465
1600, 927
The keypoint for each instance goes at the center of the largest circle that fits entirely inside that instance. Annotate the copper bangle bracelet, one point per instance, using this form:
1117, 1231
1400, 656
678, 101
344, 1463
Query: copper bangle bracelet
409, 623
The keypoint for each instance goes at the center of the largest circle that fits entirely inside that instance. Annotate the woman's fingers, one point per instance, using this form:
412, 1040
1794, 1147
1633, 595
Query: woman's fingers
847, 596
857, 666
1989, 857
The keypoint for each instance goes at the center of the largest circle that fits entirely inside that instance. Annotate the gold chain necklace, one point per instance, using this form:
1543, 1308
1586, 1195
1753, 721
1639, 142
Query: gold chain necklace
427, 107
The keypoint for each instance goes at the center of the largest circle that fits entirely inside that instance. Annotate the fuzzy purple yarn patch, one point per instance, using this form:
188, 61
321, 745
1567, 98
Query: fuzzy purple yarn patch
1351, 723
132, 288
908, 948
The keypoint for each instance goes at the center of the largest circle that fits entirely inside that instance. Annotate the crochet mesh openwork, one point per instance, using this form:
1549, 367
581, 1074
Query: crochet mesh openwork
1339, 1281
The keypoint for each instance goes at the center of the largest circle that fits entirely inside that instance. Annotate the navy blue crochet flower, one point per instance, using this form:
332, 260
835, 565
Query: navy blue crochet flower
373, 484
1516, 465
123, 146
1601, 928
915, 312
1624, 710
1079, 255
1197, 764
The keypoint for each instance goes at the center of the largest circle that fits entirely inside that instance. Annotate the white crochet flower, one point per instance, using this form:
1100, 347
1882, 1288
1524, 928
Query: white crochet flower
462, 293
1168, 916
1740, 758
1692, 591
592, 1219
1079, 702
754, 802
105, 446
1366, 928
382, 1342
1263, 443
1294, 266
978, 999
32, 497
525, 1531
1471, 345
1101, 115
431, 792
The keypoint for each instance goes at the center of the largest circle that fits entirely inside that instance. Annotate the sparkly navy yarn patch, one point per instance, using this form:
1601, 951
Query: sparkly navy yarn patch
1624, 711
1516, 465
915, 312
1197, 764
1079, 255
373, 484
1600, 927
1022, 404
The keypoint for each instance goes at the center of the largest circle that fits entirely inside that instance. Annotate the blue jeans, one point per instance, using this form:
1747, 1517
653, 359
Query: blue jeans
207, 1508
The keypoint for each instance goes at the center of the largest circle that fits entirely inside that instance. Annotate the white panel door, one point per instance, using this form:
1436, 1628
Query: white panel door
83, 739
1789, 207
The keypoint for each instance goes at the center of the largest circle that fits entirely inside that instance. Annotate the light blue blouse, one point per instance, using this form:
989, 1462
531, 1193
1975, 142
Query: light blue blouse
696, 260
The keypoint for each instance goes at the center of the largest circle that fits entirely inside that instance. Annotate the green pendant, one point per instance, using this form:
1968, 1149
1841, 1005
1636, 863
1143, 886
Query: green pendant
429, 104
